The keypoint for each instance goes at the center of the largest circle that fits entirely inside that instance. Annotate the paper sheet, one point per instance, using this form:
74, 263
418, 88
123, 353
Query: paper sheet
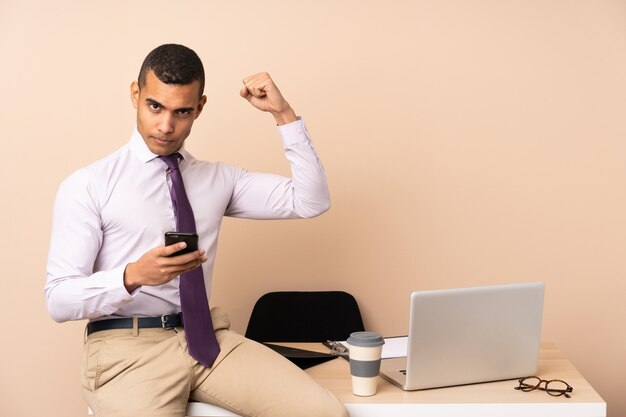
394, 347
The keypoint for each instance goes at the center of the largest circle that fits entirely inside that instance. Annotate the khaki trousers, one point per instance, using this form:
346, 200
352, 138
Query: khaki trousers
148, 372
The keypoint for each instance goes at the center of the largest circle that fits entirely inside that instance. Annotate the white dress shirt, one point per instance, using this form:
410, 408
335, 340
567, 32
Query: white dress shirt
111, 212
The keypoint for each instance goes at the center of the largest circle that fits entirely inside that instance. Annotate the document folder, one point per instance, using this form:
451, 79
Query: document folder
302, 358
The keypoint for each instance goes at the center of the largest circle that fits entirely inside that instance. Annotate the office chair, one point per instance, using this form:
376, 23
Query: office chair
304, 316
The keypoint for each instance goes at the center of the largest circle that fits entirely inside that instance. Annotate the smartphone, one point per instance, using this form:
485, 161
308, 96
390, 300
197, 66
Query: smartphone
191, 239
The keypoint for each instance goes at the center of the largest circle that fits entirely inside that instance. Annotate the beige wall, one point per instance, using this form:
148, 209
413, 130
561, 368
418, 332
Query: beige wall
465, 142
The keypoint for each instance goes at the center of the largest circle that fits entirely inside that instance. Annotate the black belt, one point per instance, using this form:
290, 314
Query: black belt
166, 321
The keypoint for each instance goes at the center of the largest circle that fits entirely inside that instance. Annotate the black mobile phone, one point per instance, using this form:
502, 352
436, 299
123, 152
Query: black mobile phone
191, 239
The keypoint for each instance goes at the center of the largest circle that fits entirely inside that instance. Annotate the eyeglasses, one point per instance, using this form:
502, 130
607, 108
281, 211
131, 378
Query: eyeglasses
554, 387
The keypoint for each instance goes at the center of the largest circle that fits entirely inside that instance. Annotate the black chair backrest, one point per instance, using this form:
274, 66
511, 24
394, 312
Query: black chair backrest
304, 316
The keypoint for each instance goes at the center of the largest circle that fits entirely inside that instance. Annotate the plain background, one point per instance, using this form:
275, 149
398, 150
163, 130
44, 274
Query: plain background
465, 142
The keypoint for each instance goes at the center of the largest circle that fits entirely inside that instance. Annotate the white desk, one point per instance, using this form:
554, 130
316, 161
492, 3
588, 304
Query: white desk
494, 399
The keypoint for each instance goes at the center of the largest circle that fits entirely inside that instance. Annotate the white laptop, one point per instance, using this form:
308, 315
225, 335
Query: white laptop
470, 335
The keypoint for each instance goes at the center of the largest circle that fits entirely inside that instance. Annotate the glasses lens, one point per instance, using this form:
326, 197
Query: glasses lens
556, 387
529, 384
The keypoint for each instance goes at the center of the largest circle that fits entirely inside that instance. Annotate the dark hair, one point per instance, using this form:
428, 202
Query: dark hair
173, 64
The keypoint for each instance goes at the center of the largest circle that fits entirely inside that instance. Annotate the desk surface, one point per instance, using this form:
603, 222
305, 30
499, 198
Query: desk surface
485, 400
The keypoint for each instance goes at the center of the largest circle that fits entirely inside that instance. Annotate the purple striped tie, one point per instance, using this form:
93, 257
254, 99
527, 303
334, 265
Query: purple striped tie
201, 341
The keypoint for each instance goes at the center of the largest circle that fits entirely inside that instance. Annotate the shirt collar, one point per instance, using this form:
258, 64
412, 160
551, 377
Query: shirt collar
139, 148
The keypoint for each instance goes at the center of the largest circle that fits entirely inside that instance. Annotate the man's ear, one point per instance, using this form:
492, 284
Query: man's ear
134, 94
201, 104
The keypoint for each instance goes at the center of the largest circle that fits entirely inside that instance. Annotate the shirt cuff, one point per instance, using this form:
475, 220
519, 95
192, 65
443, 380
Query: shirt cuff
118, 290
293, 133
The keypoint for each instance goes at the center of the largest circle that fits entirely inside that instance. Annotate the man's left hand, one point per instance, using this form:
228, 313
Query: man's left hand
262, 93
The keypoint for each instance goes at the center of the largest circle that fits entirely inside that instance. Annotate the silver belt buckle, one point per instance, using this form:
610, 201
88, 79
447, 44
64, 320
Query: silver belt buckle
164, 318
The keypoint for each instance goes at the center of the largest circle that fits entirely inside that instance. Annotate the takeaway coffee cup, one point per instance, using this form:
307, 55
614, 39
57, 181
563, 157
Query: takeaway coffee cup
365, 349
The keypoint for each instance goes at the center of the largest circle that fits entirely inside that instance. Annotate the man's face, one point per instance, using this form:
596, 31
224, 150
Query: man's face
165, 112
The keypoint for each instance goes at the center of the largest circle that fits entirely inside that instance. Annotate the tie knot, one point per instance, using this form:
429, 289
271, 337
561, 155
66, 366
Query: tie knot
171, 160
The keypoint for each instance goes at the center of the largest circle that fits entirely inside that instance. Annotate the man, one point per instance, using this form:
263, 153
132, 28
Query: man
108, 262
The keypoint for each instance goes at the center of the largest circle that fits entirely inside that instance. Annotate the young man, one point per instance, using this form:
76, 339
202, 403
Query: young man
108, 262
